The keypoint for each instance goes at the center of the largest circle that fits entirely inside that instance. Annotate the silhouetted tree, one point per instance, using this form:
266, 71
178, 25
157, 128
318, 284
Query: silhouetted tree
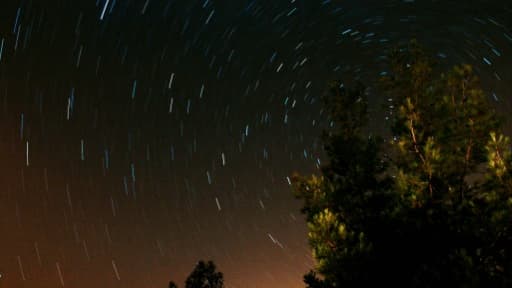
205, 275
172, 285
432, 207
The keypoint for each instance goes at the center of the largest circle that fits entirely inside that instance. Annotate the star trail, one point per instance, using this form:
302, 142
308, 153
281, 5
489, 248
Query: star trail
138, 137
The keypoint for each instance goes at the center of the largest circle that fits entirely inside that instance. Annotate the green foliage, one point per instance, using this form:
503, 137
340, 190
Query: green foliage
430, 208
205, 275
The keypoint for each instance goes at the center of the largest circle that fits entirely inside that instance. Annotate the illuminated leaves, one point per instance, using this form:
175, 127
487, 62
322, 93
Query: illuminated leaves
326, 229
498, 154
313, 190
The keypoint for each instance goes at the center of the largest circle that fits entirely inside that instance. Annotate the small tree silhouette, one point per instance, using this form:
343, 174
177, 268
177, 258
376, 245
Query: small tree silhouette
205, 276
172, 285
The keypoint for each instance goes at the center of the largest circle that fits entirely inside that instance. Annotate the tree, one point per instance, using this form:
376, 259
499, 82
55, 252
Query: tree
204, 275
431, 207
172, 285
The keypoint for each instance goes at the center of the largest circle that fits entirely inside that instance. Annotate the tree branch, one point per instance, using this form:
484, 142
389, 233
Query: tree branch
417, 150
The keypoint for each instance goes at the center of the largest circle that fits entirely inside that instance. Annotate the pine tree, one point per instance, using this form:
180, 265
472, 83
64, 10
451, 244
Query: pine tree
429, 208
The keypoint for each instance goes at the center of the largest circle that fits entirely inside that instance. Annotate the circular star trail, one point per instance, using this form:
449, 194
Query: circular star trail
138, 137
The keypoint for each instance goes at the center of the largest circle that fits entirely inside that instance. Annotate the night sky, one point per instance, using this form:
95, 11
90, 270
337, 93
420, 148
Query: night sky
140, 136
